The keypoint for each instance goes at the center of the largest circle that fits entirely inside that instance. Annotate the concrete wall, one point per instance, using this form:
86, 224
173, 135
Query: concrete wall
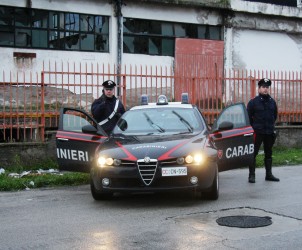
289, 136
26, 154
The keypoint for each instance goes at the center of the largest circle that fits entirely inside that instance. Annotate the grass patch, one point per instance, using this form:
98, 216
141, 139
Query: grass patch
8, 183
35, 180
282, 156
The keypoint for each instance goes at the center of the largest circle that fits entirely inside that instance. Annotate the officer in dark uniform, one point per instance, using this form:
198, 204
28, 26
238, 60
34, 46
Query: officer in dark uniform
107, 109
262, 111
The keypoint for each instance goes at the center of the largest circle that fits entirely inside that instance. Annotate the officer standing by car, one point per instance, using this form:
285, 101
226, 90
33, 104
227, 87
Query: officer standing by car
107, 109
262, 111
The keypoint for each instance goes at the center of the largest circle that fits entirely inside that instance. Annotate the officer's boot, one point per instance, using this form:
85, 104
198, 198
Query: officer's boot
268, 167
252, 172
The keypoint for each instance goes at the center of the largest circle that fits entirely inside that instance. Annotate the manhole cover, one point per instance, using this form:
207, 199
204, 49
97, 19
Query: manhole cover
244, 221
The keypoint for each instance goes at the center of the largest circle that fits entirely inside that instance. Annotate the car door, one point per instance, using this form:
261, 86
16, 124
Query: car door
232, 134
75, 148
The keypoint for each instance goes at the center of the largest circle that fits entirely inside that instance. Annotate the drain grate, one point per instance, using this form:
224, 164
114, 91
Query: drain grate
244, 221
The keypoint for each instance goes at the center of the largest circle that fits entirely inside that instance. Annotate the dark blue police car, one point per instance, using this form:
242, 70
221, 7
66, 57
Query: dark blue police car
156, 147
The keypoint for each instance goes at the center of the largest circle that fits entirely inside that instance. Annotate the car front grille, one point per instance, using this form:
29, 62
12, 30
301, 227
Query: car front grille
169, 162
126, 163
147, 169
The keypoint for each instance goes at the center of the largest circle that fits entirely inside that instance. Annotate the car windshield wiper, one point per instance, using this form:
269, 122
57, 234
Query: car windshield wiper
125, 137
184, 121
158, 128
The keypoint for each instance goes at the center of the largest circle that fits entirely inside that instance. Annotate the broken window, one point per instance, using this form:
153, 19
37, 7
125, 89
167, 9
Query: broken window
23, 38
34, 28
158, 38
292, 3
39, 19
6, 26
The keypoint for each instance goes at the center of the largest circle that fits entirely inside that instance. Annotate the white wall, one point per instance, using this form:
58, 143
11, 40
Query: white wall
260, 50
83, 6
268, 9
170, 13
271, 41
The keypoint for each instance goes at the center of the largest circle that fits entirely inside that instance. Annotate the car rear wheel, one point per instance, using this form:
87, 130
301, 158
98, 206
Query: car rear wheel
99, 195
213, 192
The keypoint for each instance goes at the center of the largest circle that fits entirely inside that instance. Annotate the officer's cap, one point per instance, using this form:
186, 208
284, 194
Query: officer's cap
264, 82
109, 84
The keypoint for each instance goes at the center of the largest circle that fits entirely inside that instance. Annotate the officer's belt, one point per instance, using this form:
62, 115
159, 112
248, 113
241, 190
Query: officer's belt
111, 115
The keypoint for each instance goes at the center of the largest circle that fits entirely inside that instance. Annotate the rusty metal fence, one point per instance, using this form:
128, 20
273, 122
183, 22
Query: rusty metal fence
30, 102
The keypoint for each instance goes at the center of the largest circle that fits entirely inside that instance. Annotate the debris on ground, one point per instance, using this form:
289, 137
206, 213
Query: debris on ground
35, 173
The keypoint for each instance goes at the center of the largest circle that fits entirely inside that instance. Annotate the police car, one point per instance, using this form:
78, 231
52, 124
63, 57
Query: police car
156, 147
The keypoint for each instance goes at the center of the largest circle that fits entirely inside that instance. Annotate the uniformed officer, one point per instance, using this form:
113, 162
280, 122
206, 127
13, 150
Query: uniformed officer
107, 109
262, 111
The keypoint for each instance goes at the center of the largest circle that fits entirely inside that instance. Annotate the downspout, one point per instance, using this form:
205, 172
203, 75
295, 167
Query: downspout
119, 18
28, 3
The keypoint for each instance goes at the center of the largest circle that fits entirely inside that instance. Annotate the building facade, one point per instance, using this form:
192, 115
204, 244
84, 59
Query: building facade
255, 35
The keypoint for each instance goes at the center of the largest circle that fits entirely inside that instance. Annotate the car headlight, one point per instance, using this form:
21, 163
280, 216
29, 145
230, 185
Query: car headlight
198, 158
103, 161
116, 162
195, 159
189, 159
180, 160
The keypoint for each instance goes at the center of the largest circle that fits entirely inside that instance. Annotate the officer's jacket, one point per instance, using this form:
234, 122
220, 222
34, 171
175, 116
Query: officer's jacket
103, 107
262, 111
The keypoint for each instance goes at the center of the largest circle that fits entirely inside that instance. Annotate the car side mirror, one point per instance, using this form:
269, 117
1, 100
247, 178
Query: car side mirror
89, 129
225, 126
122, 124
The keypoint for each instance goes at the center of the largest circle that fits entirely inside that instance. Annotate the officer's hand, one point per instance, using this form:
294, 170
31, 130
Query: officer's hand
118, 115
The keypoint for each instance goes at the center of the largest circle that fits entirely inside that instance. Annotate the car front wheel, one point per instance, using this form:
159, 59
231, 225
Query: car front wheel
213, 192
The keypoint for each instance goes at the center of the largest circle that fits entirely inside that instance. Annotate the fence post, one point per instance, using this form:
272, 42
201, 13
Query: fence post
123, 85
193, 91
253, 88
42, 107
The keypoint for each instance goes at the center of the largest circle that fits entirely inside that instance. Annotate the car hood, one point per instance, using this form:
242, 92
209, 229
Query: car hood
161, 148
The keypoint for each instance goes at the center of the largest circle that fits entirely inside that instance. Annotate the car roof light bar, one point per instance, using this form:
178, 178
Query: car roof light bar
144, 100
184, 98
162, 100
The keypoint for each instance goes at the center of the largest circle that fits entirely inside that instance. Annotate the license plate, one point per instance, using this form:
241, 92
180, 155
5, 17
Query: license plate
177, 171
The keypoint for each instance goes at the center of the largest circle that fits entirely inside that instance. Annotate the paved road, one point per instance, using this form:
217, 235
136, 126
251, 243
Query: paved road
68, 218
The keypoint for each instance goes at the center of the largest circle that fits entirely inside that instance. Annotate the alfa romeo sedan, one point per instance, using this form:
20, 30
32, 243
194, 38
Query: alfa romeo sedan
156, 147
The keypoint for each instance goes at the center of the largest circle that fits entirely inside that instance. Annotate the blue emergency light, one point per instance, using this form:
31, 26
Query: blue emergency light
144, 100
184, 98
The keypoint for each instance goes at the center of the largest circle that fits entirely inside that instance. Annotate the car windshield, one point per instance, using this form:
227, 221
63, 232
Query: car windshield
159, 121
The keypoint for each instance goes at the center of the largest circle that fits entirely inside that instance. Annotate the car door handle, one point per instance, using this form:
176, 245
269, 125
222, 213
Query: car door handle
250, 134
62, 139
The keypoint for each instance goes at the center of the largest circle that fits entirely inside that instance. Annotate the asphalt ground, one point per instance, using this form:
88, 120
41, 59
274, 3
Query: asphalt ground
69, 218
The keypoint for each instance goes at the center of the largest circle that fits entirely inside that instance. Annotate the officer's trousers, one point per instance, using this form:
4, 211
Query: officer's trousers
268, 142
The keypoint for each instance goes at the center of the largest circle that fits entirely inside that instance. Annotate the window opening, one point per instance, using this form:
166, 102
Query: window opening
158, 38
34, 28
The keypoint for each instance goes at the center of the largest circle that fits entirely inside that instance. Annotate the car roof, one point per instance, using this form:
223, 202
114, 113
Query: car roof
169, 105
